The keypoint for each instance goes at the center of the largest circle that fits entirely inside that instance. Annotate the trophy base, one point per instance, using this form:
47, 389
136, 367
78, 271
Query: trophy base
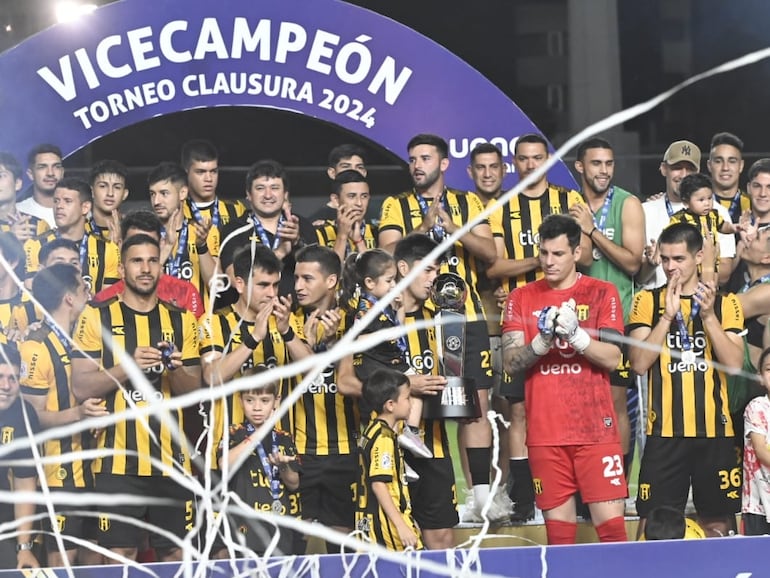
458, 400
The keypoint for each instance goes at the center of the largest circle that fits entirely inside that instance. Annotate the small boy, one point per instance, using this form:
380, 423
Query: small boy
383, 509
269, 477
697, 196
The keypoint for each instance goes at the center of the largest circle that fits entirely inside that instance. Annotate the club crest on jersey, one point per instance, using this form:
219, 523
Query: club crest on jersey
582, 312
644, 492
167, 336
7, 434
104, 523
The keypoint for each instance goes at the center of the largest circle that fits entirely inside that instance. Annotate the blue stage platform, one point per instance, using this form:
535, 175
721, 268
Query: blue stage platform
734, 557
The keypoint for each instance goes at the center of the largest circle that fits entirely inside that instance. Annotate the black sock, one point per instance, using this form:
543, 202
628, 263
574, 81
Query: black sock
522, 490
413, 429
478, 464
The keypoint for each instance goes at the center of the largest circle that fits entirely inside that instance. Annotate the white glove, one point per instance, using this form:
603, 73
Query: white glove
567, 327
546, 325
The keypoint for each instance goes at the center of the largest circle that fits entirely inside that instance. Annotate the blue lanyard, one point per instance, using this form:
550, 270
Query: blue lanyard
437, 234
83, 251
61, 336
271, 472
263, 234
734, 204
196, 213
173, 266
371, 301
684, 336
749, 284
96, 229
669, 208
604, 210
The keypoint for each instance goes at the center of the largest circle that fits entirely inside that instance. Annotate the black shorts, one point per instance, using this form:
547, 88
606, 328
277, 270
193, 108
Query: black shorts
70, 524
434, 495
669, 465
326, 489
754, 525
512, 387
177, 517
478, 357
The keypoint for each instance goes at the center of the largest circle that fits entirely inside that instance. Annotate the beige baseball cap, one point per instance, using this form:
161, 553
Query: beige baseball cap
683, 150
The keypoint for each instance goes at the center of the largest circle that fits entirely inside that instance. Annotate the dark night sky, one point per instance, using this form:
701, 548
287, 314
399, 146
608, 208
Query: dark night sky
479, 32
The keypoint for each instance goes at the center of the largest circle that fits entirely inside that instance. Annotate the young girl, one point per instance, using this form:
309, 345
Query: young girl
367, 278
755, 508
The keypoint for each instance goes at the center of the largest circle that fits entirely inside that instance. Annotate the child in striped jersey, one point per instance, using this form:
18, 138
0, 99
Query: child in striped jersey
367, 278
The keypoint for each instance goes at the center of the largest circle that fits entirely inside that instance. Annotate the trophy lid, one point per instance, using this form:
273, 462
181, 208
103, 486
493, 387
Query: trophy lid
449, 292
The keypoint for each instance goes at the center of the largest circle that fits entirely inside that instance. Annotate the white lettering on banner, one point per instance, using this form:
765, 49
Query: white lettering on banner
177, 42
132, 98
460, 148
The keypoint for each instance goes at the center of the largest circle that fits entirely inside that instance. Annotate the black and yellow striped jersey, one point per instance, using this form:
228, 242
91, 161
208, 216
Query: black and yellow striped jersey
41, 225
221, 333
327, 236
736, 205
220, 210
99, 263
686, 399
46, 371
7, 307
380, 460
517, 221
25, 314
402, 213
707, 224
325, 421
134, 441
422, 358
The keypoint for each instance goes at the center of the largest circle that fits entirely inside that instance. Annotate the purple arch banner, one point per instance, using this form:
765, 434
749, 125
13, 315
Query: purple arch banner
136, 59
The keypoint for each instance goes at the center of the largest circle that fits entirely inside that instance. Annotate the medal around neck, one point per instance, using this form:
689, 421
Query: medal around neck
459, 398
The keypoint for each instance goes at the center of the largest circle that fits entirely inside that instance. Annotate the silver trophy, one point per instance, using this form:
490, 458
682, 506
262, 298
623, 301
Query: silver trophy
459, 399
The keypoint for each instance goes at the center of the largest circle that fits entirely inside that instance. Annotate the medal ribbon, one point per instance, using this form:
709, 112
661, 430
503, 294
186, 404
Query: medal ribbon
367, 301
604, 211
83, 251
263, 234
271, 472
669, 208
196, 213
173, 266
61, 336
438, 231
682, 326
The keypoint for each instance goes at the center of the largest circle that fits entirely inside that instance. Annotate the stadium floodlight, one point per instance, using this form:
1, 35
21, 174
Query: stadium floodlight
69, 10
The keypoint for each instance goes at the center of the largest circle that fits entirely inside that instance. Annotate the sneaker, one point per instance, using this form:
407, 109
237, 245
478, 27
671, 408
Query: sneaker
469, 513
500, 508
522, 513
412, 442
410, 474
